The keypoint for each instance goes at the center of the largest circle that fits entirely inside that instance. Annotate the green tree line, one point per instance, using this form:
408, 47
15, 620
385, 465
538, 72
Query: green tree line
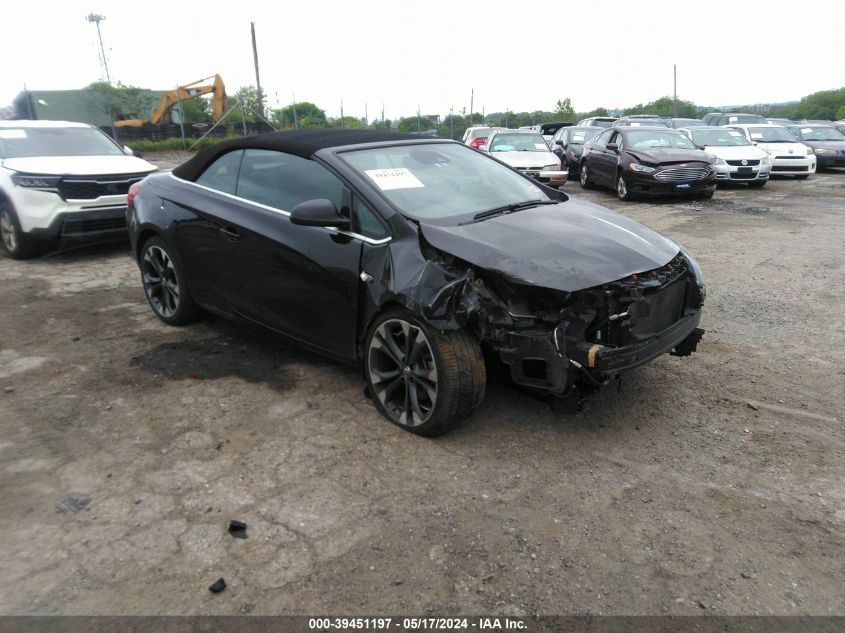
827, 104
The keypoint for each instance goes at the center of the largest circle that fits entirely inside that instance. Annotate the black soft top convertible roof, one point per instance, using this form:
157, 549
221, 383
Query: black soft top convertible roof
299, 142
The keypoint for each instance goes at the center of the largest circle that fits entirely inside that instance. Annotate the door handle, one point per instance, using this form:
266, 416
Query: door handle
231, 234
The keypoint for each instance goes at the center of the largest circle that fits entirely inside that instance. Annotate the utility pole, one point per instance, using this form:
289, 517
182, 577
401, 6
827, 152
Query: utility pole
675, 91
96, 18
451, 123
418, 119
295, 117
471, 97
366, 116
257, 78
382, 114
341, 112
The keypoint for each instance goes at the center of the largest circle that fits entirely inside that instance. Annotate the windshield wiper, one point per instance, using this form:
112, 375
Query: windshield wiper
508, 208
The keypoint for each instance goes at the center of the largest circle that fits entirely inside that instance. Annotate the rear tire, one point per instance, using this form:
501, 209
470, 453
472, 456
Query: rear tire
14, 242
423, 380
166, 284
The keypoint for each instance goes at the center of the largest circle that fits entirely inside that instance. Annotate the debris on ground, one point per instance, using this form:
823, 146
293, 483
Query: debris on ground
237, 529
218, 586
71, 505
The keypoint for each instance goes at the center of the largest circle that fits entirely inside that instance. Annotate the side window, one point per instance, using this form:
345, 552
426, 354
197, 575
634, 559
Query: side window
602, 138
365, 221
614, 138
282, 180
564, 138
222, 174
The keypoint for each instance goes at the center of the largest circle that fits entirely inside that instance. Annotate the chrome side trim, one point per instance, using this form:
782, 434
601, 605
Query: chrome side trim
363, 238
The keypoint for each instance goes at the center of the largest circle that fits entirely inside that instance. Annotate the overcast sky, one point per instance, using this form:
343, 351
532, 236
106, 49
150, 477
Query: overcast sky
517, 55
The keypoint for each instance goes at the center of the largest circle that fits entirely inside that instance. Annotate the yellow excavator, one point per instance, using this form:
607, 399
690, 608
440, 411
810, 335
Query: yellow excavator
182, 93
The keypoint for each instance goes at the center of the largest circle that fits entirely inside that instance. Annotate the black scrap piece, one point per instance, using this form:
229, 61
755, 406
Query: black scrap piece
688, 345
237, 529
218, 586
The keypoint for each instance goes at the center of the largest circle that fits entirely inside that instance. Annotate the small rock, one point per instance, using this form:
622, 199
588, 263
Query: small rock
533, 556
751, 405
75, 339
8, 390
218, 586
704, 604
748, 575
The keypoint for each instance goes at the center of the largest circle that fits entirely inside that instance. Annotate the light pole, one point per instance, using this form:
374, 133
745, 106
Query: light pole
96, 18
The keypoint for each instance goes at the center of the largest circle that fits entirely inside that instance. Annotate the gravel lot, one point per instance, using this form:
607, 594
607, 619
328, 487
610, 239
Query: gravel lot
713, 483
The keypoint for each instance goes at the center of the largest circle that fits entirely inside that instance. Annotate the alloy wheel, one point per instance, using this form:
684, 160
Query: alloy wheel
8, 231
621, 188
584, 174
402, 371
160, 281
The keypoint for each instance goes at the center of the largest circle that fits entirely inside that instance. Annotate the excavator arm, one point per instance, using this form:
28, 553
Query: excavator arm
183, 93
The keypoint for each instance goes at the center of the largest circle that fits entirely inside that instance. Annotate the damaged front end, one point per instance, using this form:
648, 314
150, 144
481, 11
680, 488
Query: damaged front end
551, 340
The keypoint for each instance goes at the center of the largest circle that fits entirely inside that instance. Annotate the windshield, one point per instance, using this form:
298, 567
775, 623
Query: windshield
719, 137
647, 138
481, 132
442, 183
579, 137
771, 135
518, 142
821, 133
602, 122
676, 123
647, 123
55, 141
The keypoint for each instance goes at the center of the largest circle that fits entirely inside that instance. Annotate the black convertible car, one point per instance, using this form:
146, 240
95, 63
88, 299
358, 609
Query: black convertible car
423, 261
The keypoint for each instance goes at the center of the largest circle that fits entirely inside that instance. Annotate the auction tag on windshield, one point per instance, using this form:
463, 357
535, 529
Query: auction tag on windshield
12, 134
806, 130
541, 146
733, 133
397, 178
756, 135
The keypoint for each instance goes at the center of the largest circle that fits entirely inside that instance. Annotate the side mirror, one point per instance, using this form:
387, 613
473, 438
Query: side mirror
559, 142
700, 146
318, 212
128, 150
613, 147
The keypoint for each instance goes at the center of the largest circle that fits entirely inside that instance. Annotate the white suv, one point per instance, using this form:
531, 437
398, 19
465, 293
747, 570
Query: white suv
61, 180
790, 157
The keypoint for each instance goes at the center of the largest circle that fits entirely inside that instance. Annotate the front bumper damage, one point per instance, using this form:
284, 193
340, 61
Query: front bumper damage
552, 341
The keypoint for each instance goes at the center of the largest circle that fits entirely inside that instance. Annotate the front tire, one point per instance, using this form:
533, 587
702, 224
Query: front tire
423, 380
13, 240
804, 177
166, 284
622, 189
706, 195
584, 177
757, 184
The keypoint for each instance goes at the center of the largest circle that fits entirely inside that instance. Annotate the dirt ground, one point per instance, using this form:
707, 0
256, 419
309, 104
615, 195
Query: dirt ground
713, 483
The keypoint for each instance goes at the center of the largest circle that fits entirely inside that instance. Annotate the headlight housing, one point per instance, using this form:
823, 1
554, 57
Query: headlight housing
721, 162
810, 151
766, 160
553, 167
34, 181
696, 270
645, 169
822, 150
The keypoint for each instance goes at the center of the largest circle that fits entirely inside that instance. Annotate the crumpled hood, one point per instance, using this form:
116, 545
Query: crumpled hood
656, 156
79, 165
568, 246
540, 158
